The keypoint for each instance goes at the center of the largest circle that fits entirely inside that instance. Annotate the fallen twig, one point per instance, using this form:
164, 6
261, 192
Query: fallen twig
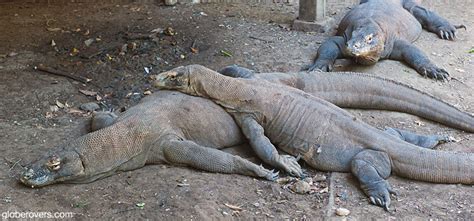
233, 207
13, 164
261, 39
137, 36
56, 72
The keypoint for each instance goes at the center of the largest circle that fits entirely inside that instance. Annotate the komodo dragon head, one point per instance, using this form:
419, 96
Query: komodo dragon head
365, 43
176, 79
58, 165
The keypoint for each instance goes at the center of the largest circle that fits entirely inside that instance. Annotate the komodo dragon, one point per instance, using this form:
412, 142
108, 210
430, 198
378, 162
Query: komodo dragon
385, 29
97, 154
325, 136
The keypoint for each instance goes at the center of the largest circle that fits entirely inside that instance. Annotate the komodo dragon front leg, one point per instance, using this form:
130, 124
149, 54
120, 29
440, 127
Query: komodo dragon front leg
327, 54
263, 147
414, 57
184, 152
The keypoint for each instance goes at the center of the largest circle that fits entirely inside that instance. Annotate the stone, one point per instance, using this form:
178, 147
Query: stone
300, 187
342, 211
90, 107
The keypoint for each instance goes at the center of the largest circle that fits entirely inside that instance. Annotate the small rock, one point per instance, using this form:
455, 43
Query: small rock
54, 108
171, 2
309, 180
319, 178
284, 180
342, 211
147, 70
12, 54
157, 30
91, 106
300, 187
88, 42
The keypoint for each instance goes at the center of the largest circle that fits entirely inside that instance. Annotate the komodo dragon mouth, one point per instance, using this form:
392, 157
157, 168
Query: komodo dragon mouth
53, 167
365, 48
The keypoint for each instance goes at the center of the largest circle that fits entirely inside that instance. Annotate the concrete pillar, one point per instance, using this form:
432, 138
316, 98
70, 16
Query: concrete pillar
312, 10
312, 16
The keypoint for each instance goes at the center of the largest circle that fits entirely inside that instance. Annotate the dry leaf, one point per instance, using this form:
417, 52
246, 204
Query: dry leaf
88, 93
194, 50
49, 115
54, 29
74, 111
54, 108
60, 105
147, 92
325, 190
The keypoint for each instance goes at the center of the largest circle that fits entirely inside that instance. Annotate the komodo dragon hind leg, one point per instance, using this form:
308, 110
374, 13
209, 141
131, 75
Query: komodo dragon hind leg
425, 141
372, 168
236, 71
102, 119
431, 21
264, 149
184, 152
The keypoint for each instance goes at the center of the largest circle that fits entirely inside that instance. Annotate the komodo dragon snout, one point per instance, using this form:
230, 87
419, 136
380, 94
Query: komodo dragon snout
176, 78
56, 166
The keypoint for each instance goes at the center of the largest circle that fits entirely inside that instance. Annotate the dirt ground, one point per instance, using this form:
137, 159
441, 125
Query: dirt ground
33, 119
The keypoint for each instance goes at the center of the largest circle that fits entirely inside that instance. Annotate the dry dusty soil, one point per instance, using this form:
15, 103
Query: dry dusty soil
39, 111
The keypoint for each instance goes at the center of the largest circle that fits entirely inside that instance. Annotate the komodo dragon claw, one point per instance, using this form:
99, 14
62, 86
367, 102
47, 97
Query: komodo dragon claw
379, 194
290, 165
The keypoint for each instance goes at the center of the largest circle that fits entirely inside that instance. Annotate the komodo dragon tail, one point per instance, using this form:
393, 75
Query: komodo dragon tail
363, 91
432, 165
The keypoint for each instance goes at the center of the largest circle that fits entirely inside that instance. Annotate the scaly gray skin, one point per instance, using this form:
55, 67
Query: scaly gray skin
363, 91
385, 29
327, 137
167, 137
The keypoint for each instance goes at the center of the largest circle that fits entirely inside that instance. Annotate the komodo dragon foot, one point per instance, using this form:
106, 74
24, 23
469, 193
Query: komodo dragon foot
320, 65
372, 168
290, 165
425, 141
434, 72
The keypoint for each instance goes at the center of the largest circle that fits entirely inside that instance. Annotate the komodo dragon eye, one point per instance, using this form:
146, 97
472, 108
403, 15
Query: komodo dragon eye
368, 38
54, 163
